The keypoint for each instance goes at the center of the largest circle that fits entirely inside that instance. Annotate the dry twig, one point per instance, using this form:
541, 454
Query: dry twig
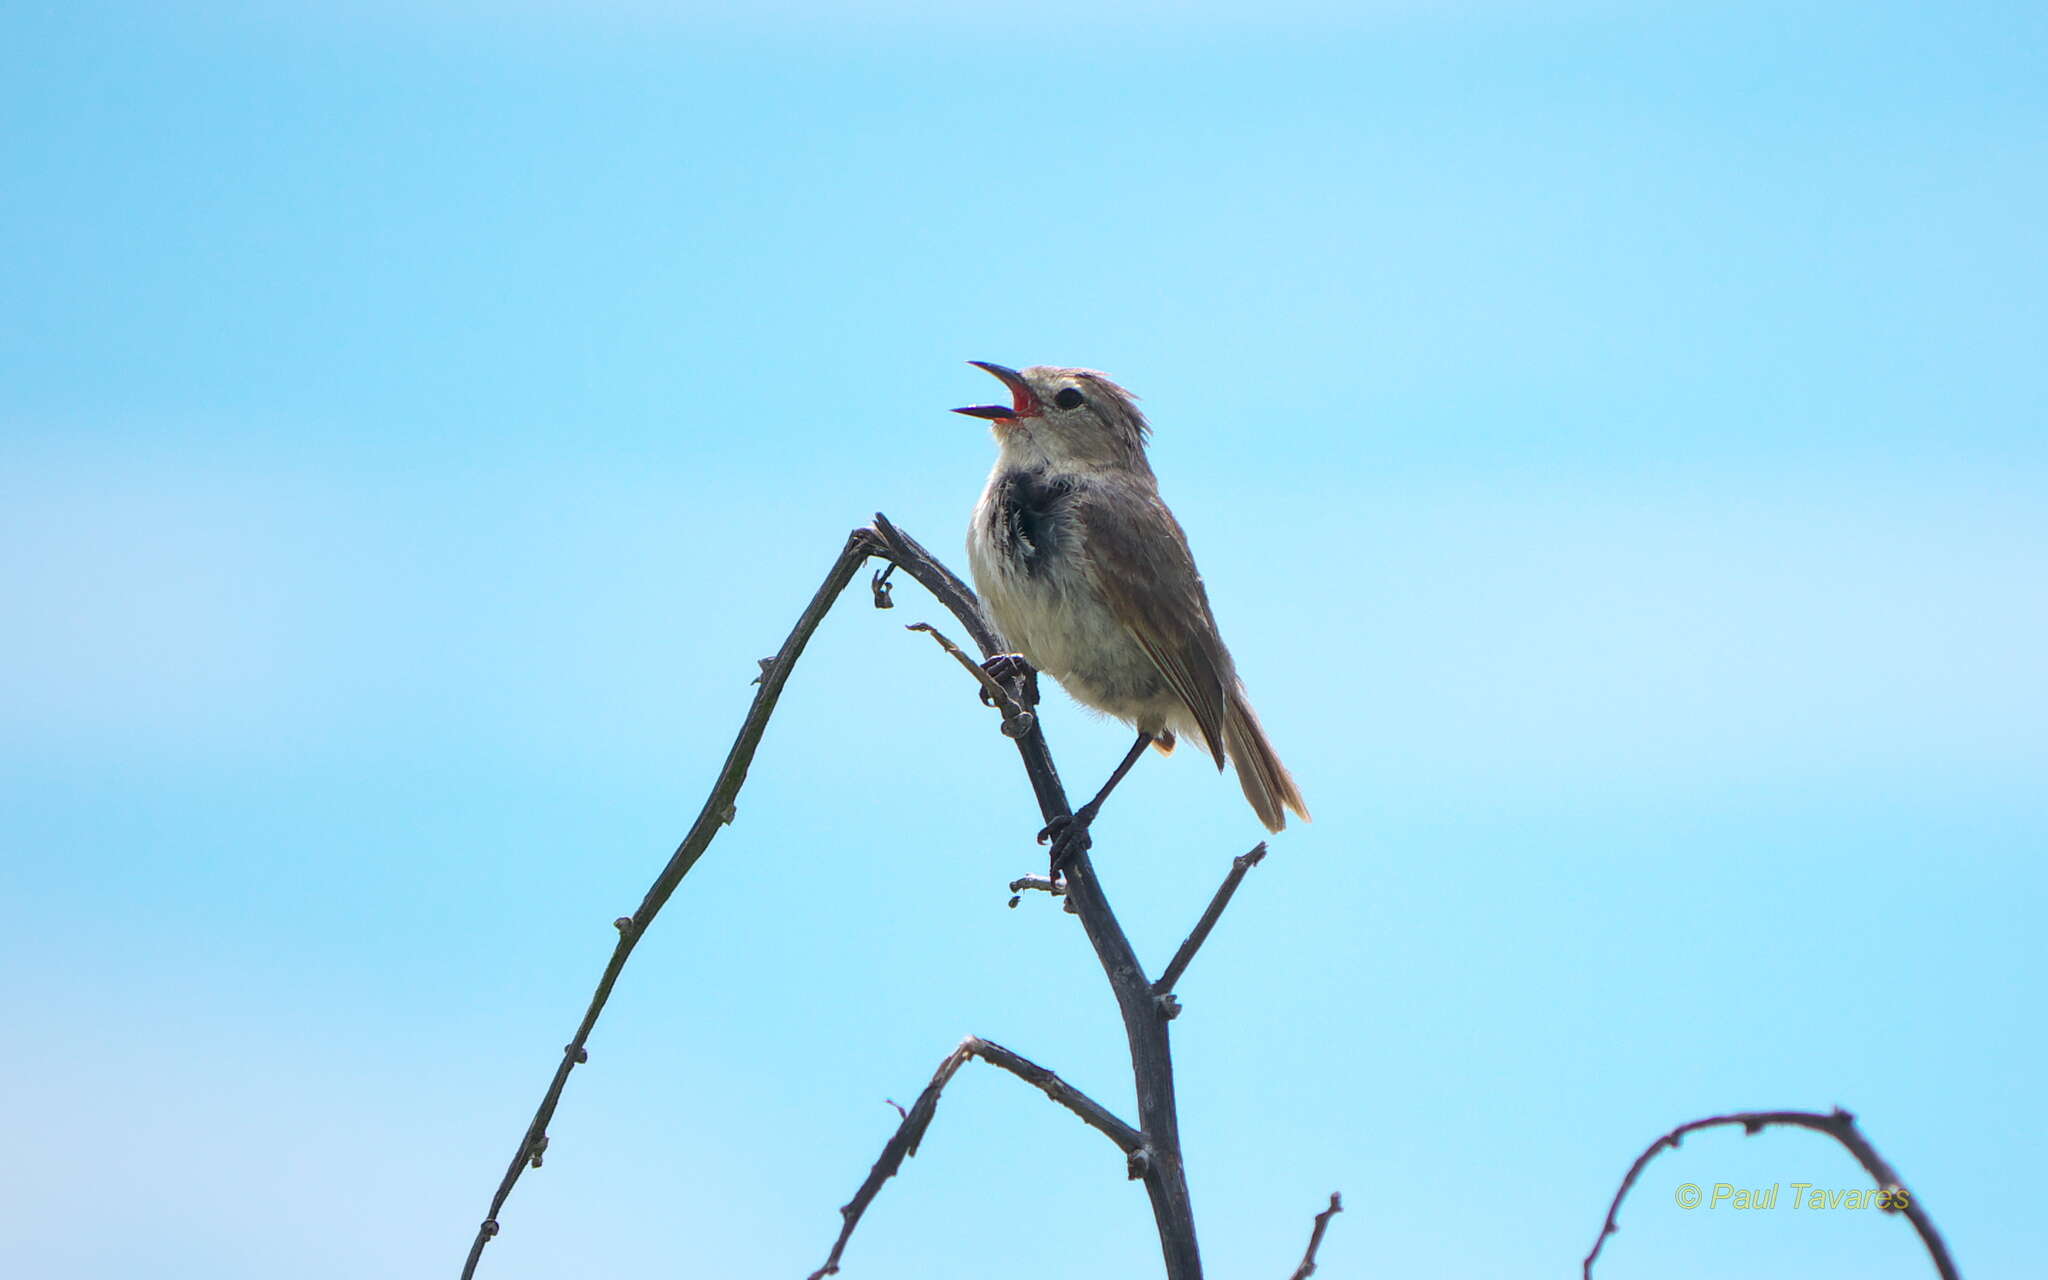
716, 813
1145, 1025
1153, 1148
1016, 720
904, 1142
1839, 1125
1242, 863
1315, 1237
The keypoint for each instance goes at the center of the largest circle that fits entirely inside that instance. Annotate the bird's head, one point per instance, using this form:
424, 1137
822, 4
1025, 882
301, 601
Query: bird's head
1071, 419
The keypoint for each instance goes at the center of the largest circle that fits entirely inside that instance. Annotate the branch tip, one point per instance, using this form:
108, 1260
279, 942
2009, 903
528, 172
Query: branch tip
1315, 1237
1017, 719
1239, 866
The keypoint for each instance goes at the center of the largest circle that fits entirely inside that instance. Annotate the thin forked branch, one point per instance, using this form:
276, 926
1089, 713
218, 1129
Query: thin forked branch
1145, 1021
1157, 1158
904, 1142
1239, 865
1839, 1125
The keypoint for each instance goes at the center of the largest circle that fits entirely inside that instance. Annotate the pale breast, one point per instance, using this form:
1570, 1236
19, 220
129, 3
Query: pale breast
1030, 567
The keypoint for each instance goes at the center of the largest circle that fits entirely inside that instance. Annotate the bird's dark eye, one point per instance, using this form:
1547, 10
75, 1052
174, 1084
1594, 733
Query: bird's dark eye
1068, 397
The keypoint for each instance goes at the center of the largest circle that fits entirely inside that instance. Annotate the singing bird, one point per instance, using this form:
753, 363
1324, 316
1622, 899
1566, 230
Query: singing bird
1088, 577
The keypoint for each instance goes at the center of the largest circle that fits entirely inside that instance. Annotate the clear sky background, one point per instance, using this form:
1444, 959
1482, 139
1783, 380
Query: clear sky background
1613, 435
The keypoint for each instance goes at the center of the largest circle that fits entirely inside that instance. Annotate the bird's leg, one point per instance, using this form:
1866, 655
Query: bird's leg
1015, 671
1069, 836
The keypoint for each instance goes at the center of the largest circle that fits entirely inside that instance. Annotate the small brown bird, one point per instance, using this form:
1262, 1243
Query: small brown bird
1088, 577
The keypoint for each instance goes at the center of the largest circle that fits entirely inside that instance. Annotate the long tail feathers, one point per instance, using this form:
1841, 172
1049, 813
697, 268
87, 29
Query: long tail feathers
1266, 782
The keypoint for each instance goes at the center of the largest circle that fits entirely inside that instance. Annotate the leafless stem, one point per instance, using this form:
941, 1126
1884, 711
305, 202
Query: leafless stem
1242, 863
1145, 1022
904, 1142
1158, 1161
1153, 1148
1839, 1125
1315, 1238
716, 813
1097, 1116
1016, 720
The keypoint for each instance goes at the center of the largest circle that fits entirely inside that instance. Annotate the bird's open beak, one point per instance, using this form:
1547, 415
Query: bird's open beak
1026, 405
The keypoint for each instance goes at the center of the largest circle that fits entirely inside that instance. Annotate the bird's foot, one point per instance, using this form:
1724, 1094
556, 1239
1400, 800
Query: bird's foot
1014, 672
1069, 836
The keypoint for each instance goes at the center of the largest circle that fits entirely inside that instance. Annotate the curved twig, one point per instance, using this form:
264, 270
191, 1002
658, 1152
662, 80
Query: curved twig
904, 1142
1839, 1125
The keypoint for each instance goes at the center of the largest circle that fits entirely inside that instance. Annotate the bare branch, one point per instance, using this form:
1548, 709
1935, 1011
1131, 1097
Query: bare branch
1093, 1113
904, 1142
1044, 884
1315, 1238
1242, 863
1145, 1021
716, 813
1016, 720
1158, 1160
1839, 1125
1053, 888
901, 1144
909, 555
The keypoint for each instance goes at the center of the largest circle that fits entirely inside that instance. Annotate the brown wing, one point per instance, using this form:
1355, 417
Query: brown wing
1138, 561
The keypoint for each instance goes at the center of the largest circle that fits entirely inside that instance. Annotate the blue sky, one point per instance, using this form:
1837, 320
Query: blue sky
1613, 436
